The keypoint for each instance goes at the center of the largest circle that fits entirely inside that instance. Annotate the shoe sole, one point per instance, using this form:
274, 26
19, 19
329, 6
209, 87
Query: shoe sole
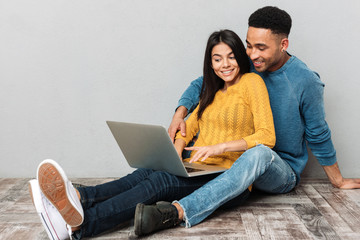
31, 194
44, 219
53, 186
138, 218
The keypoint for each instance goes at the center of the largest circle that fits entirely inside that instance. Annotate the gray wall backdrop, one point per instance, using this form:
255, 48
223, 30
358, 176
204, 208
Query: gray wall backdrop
68, 66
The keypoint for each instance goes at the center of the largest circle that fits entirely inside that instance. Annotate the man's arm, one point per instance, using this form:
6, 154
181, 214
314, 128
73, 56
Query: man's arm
318, 136
190, 98
337, 180
187, 103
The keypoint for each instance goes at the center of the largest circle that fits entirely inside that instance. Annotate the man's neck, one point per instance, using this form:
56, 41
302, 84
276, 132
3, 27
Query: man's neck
284, 58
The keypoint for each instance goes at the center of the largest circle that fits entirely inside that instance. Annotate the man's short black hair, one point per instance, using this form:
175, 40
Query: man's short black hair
273, 18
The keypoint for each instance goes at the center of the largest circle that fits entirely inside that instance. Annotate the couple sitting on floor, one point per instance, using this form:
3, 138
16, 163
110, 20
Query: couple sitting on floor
243, 96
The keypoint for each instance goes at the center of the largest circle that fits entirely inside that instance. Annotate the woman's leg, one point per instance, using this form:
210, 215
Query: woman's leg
252, 165
94, 194
157, 186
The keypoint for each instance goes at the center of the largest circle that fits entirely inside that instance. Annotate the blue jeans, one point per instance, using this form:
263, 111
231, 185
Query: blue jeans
109, 204
259, 166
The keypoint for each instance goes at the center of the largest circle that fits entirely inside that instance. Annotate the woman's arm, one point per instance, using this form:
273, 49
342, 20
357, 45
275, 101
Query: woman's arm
207, 151
259, 103
179, 146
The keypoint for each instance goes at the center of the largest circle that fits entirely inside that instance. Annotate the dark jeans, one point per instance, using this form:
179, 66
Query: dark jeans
109, 204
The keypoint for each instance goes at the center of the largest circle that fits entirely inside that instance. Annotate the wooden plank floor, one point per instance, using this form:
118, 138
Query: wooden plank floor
314, 210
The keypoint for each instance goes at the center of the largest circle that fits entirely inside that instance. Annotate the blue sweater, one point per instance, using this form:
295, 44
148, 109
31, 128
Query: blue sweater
296, 99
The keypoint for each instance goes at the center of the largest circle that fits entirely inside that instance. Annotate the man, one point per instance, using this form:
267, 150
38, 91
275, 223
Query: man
296, 97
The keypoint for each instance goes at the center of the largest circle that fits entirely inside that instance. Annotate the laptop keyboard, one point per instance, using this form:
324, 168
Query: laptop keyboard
189, 170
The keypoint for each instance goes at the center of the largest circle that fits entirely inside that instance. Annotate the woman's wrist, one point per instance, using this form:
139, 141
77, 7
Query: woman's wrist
234, 146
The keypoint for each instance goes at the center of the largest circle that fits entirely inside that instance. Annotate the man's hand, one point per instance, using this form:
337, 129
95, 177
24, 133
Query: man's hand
178, 123
206, 151
337, 180
349, 183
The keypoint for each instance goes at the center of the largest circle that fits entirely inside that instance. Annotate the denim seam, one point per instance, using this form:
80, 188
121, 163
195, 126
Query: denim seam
290, 183
293, 182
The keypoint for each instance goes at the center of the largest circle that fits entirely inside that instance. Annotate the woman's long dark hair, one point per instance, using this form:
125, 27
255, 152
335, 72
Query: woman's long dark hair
212, 83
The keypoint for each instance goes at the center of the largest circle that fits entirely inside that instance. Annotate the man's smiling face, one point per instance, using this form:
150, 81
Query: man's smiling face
264, 49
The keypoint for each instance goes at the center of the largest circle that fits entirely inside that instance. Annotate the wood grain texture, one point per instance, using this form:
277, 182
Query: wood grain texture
314, 210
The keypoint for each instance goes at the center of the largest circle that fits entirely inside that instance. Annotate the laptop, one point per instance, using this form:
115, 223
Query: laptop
149, 146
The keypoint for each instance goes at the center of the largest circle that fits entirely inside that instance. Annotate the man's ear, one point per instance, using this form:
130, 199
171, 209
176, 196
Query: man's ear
284, 44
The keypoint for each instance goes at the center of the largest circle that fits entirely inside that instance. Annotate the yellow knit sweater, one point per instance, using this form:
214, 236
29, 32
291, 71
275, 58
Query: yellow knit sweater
242, 112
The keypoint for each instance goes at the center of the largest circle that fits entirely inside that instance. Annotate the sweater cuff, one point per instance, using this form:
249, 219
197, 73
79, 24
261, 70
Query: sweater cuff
327, 161
186, 103
179, 136
250, 143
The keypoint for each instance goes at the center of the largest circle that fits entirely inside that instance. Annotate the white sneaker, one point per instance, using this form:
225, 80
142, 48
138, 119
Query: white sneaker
51, 219
60, 192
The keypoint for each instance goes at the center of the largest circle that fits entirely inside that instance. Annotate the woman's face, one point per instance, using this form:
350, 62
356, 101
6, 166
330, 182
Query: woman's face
224, 64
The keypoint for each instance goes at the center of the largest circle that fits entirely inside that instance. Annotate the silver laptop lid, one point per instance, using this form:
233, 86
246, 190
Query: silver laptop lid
147, 146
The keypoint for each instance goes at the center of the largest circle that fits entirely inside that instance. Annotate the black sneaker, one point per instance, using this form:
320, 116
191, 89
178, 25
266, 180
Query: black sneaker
152, 218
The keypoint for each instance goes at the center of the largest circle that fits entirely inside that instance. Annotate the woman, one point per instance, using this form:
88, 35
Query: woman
227, 115
234, 114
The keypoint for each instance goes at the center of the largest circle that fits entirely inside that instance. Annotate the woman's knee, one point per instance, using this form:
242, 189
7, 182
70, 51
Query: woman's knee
143, 171
259, 153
